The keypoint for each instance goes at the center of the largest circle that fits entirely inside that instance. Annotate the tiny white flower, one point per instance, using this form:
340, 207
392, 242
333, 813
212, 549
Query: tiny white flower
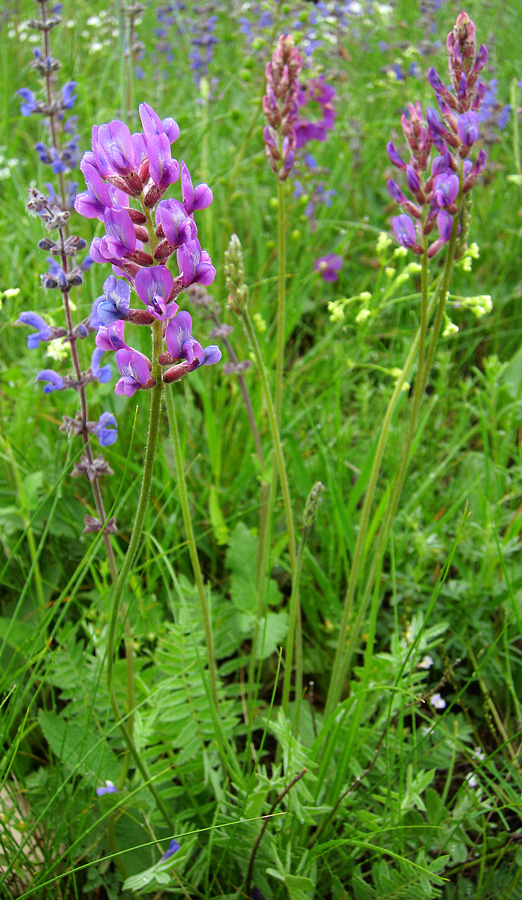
425, 663
438, 702
471, 780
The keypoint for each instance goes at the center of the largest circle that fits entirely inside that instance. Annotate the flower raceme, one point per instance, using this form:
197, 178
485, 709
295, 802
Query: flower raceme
450, 133
138, 242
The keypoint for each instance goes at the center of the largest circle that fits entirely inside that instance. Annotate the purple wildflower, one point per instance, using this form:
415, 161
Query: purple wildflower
134, 370
68, 95
114, 304
93, 202
468, 126
194, 198
155, 287
329, 266
316, 91
120, 240
106, 430
195, 265
111, 337
177, 224
43, 332
109, 787
404, 231
101, 373
152, 124
172, 849
28, 105
55, 381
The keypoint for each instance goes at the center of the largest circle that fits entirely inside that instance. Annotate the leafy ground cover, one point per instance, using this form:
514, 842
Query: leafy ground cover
290, 691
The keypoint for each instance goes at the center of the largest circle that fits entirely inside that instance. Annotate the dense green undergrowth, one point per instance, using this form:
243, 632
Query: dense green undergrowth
411, 788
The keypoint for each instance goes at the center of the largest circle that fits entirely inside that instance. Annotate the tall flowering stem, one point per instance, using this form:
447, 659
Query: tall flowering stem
54, 211
281, 108
138, 241
440, 186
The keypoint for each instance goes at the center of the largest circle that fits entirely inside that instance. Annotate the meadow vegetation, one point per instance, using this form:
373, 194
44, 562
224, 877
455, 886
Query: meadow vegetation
261, 605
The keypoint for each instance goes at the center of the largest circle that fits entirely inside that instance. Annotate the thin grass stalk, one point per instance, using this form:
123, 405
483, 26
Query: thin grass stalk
343, 657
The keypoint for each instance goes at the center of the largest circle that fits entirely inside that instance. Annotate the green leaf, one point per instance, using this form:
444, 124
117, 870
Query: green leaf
241, 560
272, 632
297, 886
217, 519
79, 750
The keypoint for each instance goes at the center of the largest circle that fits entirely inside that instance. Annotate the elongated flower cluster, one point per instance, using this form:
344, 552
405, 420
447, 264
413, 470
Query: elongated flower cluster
281, 106
138, 243
437, 183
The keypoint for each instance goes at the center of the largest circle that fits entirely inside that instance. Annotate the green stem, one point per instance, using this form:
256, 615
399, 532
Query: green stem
148, 468
276, 440
281, 299
343, 658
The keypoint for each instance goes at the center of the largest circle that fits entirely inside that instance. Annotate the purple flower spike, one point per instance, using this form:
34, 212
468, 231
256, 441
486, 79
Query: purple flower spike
329, 266
114, 304
179, 340
55, 381
43, 332
154, 287
173, 848
194, 264
106, 430
395, 157
468, 125
109, 787
404, 231
134, 370
177, 224
194, 198
102, 373
93, 202
152, 124
111, 337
